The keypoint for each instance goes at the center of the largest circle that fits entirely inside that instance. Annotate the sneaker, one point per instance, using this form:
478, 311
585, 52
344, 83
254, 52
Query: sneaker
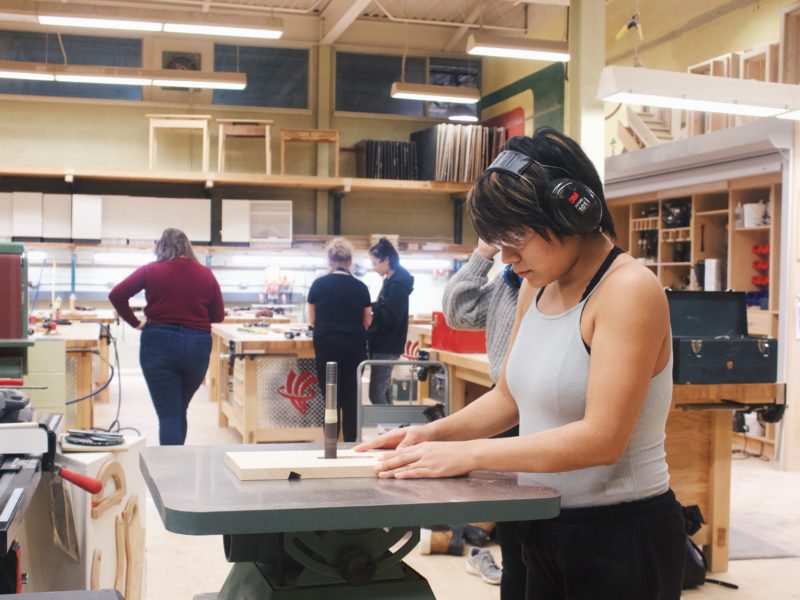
481, 562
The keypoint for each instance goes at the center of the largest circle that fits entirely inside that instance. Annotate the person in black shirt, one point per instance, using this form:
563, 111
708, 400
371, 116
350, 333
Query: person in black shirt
387, 334
339, 309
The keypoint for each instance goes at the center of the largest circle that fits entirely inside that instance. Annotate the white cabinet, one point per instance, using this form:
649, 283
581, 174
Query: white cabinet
195, 218
87, 217
235, 221
259, 221
5, 215
144, 218
271, 222
26, 214
57, 216
115, 223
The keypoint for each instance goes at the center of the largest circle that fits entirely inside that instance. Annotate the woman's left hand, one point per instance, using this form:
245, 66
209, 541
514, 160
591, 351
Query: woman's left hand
428, 460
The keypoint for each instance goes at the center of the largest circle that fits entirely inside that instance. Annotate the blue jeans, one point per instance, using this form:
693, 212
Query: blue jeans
174, 360
380, 379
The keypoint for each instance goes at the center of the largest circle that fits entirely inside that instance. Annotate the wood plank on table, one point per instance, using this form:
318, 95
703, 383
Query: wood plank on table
308, 464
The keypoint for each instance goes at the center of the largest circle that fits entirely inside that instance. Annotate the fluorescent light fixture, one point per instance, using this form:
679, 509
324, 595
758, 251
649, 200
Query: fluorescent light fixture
93, 23
66, 78
463, 118
212, 85
14, 69
484, 44
670, 89
36, 256
277, 261
268, 33
426, 263
435, 93
122, 259
169, 22
793, 115
10, 69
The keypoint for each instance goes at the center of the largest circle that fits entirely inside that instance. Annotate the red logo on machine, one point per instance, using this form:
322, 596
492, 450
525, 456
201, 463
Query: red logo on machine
298, 390
412, 350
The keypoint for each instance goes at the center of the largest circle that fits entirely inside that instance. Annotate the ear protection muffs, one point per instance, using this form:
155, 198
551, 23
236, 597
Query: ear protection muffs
511, 278
572, 204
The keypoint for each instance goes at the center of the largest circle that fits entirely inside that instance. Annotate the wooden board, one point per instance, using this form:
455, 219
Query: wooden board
134, 549
308, 464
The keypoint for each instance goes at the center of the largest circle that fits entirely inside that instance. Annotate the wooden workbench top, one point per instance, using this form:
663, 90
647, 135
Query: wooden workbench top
270, 339
77, 332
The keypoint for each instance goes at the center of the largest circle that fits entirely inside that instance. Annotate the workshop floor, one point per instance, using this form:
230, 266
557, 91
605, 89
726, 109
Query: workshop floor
178, 567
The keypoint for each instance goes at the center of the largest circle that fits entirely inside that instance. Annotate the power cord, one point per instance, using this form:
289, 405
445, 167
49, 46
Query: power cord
94, 393
745, 454
113, 371
116, 422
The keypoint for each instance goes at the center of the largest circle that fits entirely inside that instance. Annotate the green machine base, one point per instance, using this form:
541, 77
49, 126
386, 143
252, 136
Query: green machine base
336, 565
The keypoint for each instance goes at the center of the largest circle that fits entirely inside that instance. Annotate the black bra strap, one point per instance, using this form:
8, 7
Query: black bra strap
614, 253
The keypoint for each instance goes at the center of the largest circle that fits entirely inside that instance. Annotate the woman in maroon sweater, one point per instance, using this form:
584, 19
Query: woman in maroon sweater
183, 299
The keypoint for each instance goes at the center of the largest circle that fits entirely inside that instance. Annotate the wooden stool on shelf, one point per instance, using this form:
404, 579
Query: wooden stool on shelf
178, 122
328, 136
243, 128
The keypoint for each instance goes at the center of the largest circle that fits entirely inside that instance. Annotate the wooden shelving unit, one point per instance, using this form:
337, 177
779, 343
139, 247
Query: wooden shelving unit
211, 179
712, 233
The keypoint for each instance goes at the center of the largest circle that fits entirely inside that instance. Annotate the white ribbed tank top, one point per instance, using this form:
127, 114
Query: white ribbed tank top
547, 373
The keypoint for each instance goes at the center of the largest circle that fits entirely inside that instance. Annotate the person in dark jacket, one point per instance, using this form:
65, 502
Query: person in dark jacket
339, 308
183, 299
387, 334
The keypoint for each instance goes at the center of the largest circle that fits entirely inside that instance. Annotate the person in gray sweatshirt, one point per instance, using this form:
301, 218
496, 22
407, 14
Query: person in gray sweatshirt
471, 301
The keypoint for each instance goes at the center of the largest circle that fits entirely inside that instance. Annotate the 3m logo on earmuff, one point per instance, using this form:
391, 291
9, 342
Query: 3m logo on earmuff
574, 197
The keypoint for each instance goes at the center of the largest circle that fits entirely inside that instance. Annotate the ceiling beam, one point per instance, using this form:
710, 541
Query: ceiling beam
338, 16
462, 31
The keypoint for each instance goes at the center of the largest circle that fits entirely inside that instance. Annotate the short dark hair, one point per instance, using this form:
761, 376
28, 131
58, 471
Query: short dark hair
502, 207
385, 250
174, 244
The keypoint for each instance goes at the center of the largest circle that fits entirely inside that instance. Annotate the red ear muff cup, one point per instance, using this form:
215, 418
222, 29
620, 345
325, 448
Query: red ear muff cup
575, 206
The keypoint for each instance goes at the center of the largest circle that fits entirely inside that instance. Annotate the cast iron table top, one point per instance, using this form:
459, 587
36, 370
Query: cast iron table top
197, 494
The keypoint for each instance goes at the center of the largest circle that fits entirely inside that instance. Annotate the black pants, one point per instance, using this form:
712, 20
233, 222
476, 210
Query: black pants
513, 581
347, 351
629, 551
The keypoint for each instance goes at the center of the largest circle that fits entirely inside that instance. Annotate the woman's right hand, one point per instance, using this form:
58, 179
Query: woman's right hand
398, 438
487, 251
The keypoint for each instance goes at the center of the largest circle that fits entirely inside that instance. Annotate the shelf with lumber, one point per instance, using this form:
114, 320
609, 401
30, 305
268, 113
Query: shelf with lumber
211, 179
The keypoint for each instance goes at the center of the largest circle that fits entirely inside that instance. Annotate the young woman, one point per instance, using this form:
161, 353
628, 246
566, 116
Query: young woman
339, 309
588, 378
387, 334
183, 299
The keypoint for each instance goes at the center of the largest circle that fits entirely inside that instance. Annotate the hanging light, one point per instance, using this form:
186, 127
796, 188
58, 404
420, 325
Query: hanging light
484, 44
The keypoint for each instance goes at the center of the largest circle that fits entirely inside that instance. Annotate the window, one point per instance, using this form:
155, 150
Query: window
80, 50
458, 73
276, 77
364, 81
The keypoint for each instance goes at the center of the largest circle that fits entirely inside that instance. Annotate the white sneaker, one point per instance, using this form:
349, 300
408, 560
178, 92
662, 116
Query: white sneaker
481, 562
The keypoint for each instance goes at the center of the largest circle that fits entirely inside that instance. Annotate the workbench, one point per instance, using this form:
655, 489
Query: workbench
265, 384
698, 442
323, 538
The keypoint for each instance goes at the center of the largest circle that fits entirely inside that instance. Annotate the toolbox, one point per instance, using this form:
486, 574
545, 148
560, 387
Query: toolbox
444, 337
710, 342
